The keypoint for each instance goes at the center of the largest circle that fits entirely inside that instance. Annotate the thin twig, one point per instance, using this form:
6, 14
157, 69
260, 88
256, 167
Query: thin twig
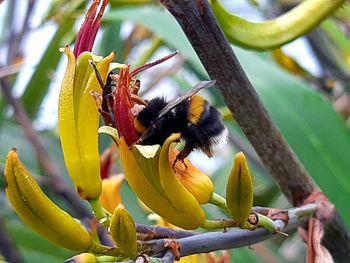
7, 247
10, 69
15, 40
162, 232
234, 237
56, 181
168, 257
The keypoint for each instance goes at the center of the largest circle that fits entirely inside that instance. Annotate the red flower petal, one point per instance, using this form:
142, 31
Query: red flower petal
122, 108
88, 30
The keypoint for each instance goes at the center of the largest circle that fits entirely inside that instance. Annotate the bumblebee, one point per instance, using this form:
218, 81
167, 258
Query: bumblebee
191, 115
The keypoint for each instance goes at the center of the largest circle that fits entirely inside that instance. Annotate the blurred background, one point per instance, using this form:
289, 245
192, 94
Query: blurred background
304, 85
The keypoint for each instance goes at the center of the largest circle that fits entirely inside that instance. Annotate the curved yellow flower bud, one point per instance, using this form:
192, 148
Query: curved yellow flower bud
123, 231
110, 196
277, 32
288, 63
239, 190
82, 258
190, 259
38, 211
152, 178
78, 121
196, 182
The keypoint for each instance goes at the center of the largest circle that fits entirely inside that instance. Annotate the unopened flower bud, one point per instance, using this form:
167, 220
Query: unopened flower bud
239, 190
123, 231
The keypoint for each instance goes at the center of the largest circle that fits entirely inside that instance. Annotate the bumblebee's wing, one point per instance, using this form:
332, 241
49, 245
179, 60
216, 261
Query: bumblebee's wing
196, 88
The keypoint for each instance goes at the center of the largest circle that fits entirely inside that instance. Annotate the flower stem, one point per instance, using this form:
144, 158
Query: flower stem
219, 201
100, 213
217, 224
96, 248
101, 259
269, 224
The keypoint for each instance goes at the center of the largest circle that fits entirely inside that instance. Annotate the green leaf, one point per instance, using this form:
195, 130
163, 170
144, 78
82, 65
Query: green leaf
241, 255
38, 85
111, 40
314, 130
33, 247
12, 135
339, 39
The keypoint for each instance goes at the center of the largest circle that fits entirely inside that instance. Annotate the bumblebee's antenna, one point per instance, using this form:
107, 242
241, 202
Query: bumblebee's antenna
152, 64
97, 73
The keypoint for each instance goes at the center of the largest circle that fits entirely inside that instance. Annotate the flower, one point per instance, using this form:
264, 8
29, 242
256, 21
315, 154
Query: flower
110, 195
78, 121
196, 182
77, 115
152, 178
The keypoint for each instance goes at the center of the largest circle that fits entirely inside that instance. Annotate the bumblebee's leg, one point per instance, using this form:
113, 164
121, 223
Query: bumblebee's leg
178, 158
183, 154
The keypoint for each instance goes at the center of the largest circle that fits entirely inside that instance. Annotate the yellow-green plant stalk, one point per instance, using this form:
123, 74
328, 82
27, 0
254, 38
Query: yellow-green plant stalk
123, 231
150, 175
276, 32
78, 121
239, 190
38, 211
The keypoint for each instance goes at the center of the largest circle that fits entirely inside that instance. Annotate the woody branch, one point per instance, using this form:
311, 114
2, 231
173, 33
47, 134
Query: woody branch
218, 58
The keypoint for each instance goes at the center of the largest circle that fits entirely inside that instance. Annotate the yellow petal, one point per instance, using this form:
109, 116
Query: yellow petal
38, 211
196, 182
176, 192
83, 258
66, 120
190, 259
87, 128
110, 195
180, 207
78, 122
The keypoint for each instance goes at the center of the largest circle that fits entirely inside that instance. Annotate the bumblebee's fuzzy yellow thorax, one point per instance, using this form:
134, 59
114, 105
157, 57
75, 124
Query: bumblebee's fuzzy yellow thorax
196, 108
139, 127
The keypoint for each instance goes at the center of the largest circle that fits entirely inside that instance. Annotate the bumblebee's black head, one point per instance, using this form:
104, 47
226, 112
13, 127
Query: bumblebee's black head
148, 116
